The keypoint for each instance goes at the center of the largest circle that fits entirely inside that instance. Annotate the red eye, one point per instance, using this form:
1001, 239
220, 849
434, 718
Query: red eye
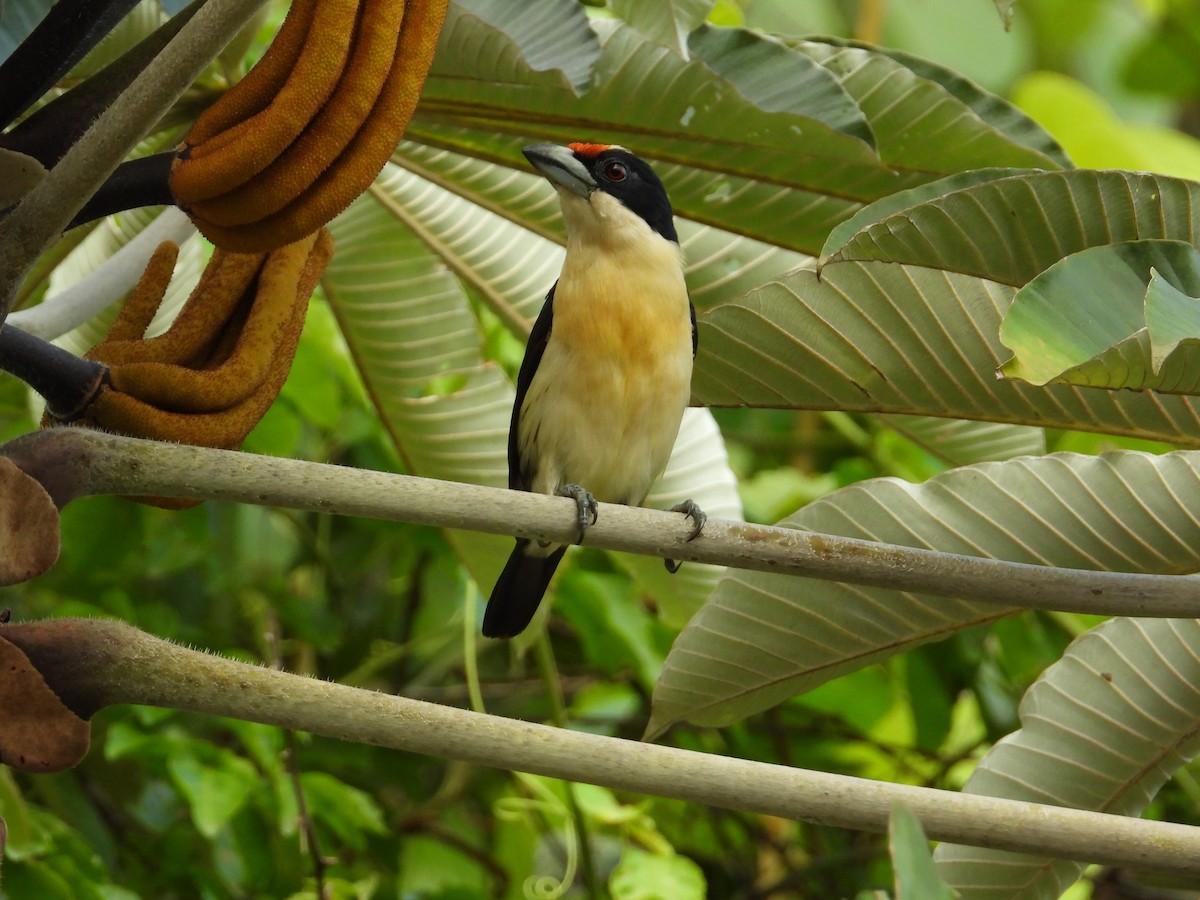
616, 171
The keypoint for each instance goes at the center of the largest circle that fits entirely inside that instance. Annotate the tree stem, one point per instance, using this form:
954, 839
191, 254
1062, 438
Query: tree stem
121, 664
73, 462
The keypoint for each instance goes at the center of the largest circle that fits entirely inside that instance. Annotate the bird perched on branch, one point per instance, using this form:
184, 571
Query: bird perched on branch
608, 368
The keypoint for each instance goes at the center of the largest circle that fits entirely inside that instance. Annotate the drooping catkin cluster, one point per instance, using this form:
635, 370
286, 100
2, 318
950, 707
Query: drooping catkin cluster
311, 125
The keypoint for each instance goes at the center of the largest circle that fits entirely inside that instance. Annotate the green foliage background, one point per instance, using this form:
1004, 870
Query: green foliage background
176, 805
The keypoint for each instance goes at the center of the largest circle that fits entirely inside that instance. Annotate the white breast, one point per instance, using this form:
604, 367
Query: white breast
604, 407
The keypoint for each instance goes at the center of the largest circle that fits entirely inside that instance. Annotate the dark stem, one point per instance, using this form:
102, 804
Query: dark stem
67, 382
49, 132
136, 183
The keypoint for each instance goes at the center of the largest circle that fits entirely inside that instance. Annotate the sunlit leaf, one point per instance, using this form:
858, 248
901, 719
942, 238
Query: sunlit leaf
549, 36
668, 23
1102, 729
1084, 320
1012, 229
763, 638
901, 200
960, 442
881, 337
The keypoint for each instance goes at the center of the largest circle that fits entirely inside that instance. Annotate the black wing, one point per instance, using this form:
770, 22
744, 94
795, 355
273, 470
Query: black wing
695, 335
538, 338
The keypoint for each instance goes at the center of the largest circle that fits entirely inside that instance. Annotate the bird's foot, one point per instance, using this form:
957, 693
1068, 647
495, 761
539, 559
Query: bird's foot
698, 517
587, 511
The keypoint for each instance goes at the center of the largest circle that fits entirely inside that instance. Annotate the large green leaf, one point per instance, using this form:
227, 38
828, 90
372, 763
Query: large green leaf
960, 442
719, 265
1011, 229
882, 337
917, 123
996, 111
1102, 729
766, 139
1086, 320
763, 638
668, 23
549, 36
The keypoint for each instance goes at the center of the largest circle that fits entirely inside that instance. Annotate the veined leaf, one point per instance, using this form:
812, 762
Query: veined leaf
1102, 729
881, 337
763, 638
901, 200
719, 265
668, 23
995, 110
1173, 321
1012, 229
918, 123
959, 442
1085, 319
551, 36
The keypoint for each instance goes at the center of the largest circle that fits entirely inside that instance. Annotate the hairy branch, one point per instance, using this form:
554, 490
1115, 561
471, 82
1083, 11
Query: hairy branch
74, 462
92, 664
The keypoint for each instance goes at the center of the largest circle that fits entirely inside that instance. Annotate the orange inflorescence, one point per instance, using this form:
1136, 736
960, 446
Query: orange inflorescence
212, 376
277, 159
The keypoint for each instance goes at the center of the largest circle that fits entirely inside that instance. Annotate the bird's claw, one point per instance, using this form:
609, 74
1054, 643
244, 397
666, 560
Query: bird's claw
698, 516
587, 511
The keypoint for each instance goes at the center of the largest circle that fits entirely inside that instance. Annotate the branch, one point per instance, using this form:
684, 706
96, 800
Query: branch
92, 664
104, 285
44, 213
74, 462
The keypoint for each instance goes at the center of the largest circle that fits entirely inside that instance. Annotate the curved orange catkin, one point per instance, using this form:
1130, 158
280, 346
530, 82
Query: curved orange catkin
226, 279
240, 152
232, 376
262, 351
354, 170
147, 295
263, 82
329, 133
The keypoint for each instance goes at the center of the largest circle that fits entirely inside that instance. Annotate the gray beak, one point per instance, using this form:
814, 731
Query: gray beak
561, 167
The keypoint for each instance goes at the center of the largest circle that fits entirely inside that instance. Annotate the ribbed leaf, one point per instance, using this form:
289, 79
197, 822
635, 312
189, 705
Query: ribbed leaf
1085, 320
719, 265
959, 442
1011, 229
918, 123
408, 323
901, 200
1102, 729
668, 23
996, 111
549, 36
763, 638
880, 337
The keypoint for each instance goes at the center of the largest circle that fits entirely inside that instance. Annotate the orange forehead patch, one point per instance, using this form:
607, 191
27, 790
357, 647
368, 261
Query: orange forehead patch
589, 150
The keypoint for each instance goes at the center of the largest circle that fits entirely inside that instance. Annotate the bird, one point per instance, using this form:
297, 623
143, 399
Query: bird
607, 370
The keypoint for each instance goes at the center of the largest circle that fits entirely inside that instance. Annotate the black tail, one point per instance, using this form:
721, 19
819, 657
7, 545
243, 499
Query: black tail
518, 591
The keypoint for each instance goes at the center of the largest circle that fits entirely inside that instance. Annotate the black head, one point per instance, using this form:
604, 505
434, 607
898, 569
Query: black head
584, 168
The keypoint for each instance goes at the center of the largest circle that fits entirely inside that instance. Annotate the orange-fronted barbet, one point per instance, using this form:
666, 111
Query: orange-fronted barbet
608, 368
